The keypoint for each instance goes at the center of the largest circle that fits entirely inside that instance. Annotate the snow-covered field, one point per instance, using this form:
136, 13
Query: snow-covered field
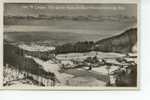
81, 56
34, 47
85, 81
80, 76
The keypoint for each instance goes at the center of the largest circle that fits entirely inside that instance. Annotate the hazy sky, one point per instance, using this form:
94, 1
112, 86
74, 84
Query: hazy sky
70, 9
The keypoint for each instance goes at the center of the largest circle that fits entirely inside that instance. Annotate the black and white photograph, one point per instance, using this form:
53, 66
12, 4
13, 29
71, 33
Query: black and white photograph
73, 45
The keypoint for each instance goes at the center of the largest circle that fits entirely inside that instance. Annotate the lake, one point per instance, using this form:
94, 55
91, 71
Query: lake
65, 30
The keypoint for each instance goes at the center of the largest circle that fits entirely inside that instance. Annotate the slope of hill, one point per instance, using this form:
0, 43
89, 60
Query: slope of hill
122, 43
14, 56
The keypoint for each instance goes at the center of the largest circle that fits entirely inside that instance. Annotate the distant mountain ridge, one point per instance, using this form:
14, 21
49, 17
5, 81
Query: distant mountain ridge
13, 20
